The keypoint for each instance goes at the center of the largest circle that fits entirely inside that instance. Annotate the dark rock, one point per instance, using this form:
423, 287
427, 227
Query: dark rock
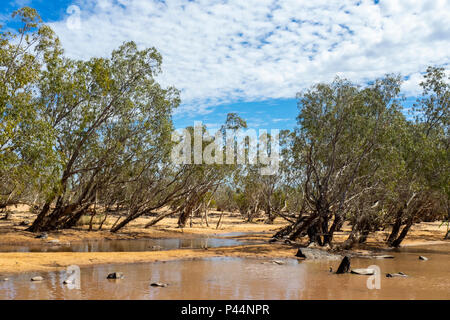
37, 278
423, 258
159, 284
300, 254
344, 267
393, 275
273, 240
115, 275
287, 241
42, 236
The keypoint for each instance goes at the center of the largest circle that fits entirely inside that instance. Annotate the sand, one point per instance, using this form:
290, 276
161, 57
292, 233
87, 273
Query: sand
12, 233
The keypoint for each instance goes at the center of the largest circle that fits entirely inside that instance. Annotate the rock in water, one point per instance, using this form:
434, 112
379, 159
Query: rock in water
24, 223
277, 262
273, 240
384, 257
159, 284
300, 254
115, 275
364, 272
423, 258
344, 267
4, 279
393, 275
37, 278
42, 236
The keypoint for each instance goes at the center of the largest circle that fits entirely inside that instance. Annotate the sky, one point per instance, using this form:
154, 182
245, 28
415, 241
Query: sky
252, 57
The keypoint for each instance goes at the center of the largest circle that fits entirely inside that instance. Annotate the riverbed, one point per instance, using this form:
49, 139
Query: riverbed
247, 278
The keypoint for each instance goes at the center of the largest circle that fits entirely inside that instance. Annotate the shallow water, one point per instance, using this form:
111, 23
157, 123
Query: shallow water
123, 245
236, 278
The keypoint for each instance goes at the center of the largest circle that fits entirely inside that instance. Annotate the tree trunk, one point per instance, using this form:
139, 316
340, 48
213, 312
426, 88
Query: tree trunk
396, 227
184, 216
396, 243
270, 216
103, 221
122, 224
301, 227
157, 219
39, 221
220, 220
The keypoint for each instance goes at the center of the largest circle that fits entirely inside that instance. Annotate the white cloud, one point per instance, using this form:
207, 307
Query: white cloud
276, 120
222, 51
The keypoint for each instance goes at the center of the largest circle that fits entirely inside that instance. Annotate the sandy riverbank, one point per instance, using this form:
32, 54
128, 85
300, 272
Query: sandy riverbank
232, 225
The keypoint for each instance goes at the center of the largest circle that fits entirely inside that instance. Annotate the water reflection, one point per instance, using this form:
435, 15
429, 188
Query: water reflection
124, 245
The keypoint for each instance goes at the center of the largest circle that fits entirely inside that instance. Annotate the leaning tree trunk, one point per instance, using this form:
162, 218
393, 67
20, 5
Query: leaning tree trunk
302, 226
184, 216
396, 243
395, 228
39, 221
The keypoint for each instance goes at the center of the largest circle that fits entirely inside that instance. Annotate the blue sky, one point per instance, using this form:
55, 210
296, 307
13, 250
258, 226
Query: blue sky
252, 57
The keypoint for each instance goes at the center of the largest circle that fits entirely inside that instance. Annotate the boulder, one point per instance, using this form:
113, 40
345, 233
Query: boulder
344, 267
24, 223
42, 236
115, 275
423, 258
273, 240
37, 278
278, 262
159, 284
300, 254
364, 272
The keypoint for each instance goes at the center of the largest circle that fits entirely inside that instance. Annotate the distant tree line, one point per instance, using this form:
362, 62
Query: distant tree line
77, 135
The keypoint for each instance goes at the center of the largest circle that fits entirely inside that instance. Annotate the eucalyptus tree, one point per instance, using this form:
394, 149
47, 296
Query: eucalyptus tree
107, 115
422, 189
25, 137
341, 129
207, 177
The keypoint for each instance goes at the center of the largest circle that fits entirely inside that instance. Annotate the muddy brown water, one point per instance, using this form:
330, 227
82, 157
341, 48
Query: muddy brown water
123, 245
136, 245
237, 278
